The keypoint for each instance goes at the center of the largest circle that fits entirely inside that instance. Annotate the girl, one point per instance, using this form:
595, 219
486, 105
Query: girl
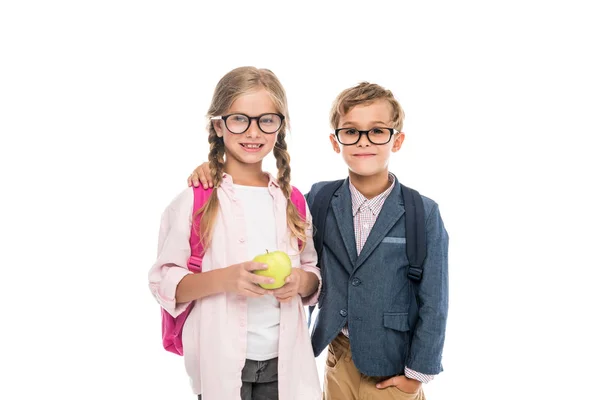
241, 340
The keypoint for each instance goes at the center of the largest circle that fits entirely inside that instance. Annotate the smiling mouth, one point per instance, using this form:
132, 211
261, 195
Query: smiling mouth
252, 146
364, 155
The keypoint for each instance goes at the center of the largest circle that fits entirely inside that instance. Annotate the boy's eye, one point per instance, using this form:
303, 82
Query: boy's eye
266, 120
351, 131
377, 131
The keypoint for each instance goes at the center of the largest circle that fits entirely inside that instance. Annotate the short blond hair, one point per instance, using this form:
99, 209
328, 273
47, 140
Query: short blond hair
365, 93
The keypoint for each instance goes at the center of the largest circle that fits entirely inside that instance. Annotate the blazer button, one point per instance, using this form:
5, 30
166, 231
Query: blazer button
343, 313
356, 282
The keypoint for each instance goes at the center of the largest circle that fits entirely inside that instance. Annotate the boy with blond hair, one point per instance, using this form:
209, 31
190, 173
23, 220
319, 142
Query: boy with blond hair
383, 328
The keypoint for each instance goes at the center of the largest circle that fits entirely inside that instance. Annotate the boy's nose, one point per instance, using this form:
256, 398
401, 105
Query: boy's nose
363, 141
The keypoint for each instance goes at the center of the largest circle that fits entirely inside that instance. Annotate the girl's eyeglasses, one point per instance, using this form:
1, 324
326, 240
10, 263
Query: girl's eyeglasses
239, 123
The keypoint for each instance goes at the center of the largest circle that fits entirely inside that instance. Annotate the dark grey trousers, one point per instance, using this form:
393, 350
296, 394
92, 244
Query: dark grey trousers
259, 381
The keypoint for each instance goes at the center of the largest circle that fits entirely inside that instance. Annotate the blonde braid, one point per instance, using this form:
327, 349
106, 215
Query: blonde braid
296, 223
211, 207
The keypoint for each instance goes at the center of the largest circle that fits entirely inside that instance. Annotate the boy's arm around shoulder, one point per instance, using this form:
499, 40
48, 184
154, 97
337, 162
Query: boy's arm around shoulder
432, 297
170, 266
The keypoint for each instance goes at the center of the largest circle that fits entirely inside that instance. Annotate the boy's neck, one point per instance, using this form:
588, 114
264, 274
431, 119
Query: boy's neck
247, 174
370, 186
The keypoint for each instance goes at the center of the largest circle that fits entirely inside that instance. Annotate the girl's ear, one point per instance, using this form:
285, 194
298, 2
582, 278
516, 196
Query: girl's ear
334, 143
398, 140
218, 125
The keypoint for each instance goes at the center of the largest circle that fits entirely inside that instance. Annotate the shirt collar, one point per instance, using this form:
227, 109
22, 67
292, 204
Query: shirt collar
375, 204
227, 182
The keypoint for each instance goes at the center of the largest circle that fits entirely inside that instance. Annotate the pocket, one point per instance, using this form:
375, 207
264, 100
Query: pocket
400, 394
392, 239
396, 321
335, 353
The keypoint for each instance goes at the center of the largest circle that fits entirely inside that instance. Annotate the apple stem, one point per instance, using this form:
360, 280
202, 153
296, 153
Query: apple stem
267, 251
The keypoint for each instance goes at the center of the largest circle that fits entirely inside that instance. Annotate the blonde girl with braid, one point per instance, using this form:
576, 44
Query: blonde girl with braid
241, 340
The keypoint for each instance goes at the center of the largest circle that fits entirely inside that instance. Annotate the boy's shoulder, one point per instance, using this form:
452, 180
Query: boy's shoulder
428, 203
317, 187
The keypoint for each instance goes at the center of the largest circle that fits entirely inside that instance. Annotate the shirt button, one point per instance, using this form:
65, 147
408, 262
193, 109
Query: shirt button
356, 282
365, 226
343, 313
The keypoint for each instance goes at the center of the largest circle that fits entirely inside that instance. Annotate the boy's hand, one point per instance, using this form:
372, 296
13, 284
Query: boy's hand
401, 382
239, 279
201, 175
292, 286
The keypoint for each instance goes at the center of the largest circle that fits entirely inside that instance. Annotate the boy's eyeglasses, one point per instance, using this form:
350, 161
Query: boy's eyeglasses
239, 123
350, 136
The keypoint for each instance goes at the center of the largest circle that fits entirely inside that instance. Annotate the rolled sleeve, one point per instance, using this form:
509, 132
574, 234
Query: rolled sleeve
412, 374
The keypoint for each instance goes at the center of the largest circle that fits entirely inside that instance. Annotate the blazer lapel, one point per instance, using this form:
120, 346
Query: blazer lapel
392, 210
341, 204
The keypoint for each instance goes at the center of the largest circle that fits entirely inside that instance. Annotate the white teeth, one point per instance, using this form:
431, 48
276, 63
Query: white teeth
251, 146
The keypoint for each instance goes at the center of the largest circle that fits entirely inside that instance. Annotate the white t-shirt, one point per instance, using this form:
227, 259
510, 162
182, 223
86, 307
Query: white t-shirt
263, 312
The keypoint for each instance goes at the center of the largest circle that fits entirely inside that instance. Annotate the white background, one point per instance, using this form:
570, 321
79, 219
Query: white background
102, 110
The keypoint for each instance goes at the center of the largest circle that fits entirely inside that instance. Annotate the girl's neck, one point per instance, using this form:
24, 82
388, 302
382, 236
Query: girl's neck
247, 174
370, 186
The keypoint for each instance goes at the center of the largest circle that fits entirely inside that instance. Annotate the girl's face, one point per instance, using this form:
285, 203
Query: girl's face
251, 146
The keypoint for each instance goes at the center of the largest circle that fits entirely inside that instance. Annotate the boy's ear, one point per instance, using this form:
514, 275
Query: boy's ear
334, 143
398, 141
218, 125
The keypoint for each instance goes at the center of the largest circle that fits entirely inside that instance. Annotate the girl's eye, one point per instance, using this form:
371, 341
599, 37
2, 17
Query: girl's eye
239, 118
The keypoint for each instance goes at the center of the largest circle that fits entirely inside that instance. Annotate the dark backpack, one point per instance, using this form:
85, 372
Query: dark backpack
416, 241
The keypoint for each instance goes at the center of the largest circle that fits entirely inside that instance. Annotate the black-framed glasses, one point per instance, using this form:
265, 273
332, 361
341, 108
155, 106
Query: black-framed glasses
350, 136
239, 123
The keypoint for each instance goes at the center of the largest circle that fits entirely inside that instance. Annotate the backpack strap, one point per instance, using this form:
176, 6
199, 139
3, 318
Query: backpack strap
201, 196
416, 240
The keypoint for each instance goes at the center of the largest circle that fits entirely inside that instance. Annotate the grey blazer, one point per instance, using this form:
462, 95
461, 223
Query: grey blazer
392, 322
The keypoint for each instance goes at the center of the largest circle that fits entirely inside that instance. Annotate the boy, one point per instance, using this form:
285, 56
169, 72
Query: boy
384, 333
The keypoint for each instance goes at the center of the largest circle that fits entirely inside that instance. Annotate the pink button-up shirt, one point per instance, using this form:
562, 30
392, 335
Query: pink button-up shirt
215, 332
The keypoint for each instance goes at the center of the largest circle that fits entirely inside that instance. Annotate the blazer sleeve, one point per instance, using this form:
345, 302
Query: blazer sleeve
432, 298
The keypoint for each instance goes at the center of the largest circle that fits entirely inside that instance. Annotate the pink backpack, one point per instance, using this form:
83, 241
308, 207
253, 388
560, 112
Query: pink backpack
172, 327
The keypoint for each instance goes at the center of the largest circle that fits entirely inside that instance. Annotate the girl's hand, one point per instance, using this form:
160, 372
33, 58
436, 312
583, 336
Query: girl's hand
201, 175
238, 278
292, 286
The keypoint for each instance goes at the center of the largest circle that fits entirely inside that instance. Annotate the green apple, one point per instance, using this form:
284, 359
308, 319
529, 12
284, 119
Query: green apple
279, 268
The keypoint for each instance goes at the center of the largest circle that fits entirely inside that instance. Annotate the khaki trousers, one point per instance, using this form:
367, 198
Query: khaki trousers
344, 382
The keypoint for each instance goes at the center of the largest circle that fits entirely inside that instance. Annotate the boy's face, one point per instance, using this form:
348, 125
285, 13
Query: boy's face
365, 158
